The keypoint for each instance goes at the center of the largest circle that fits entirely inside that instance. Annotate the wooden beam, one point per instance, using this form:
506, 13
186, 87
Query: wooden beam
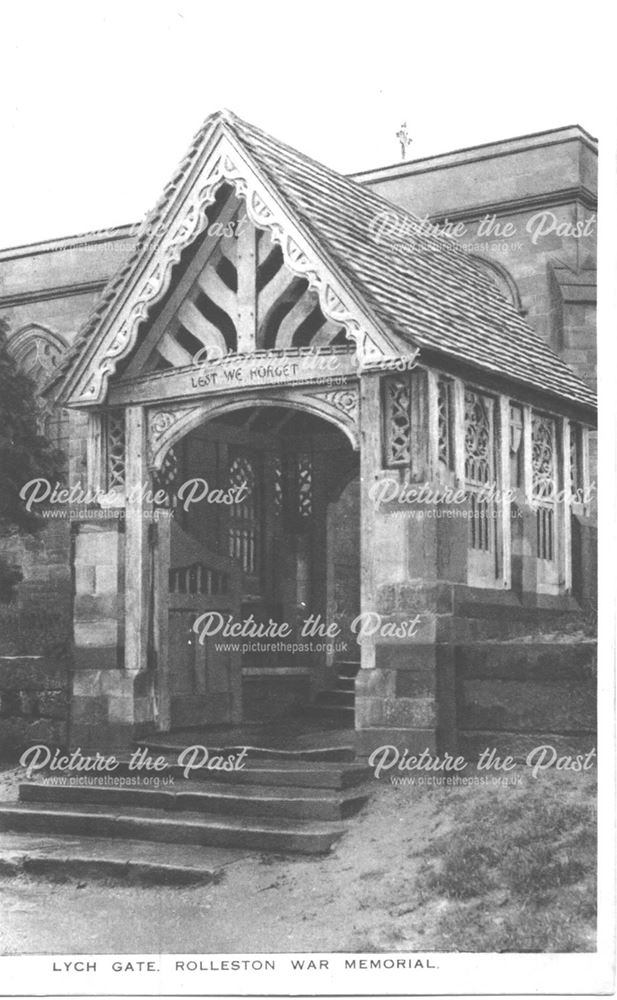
201, 328
285, 420
246, 266
171, 350
328, 332
181, 289
252, 417
216, 289
265, 245
232, 374
303, 308
276, 288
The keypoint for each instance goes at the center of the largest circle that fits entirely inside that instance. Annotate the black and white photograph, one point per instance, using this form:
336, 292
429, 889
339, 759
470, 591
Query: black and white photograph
306, 512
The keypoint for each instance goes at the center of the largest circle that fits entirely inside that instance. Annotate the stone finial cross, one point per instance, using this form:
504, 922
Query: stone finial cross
403, 137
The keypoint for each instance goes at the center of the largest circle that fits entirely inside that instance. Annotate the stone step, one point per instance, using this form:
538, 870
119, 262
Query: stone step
271, 774
347, 668
346, 699
344, 683
344, 715
132, 862
257, 833
211, 798
336, 753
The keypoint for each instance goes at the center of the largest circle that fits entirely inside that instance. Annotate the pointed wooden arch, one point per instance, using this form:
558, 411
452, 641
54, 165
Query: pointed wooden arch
167, 425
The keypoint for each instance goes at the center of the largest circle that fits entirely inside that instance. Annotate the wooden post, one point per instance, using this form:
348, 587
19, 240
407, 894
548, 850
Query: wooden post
503, 485
527, 485
458, 431
433, 426
136, 543
95, 473
246, 256
564, 510
585, 469
161, 615
370, 465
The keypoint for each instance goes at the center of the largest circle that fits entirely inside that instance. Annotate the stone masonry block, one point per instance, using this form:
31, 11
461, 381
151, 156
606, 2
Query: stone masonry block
96, 633
106, 581
84, 578
375, 683
369, 712
91, 711
89, 607
413, 713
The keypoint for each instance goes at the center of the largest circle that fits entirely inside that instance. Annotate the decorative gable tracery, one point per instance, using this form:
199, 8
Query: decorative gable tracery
226, 164
237, 296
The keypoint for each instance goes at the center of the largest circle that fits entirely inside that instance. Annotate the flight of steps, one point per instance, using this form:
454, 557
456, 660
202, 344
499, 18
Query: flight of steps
338, 703
285, 802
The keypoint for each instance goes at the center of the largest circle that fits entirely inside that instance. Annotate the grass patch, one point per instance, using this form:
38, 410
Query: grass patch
516, 868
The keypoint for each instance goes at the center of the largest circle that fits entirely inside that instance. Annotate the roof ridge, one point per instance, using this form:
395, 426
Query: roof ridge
361, 188
440, 300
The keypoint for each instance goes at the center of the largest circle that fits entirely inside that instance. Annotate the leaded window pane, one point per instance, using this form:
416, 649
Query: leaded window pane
516, 446
397, 421
543, 482
305, 485
445, 450
244, 517
115, 449
479, 467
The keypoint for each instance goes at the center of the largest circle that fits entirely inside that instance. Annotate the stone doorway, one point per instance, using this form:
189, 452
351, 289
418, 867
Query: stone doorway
263, 553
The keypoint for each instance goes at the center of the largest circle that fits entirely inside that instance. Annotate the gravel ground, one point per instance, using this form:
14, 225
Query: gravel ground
365, 896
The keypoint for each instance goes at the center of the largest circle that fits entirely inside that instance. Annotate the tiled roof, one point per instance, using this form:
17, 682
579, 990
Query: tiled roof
421, 285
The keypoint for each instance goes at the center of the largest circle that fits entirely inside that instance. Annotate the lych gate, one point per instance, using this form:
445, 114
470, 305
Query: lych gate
314, 379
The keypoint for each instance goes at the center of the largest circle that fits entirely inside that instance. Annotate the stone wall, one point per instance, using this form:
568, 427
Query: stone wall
35, 641
34, 703
518, 695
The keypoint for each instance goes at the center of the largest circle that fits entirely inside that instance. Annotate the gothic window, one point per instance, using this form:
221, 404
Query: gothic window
115, 447
244, 516
543, 465
38, 353
516, 446
397, 421
501, 279
445, 450
479, 466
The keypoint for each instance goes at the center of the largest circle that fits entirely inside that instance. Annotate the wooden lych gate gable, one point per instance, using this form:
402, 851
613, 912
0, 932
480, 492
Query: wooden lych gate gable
226, 265
235, 296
